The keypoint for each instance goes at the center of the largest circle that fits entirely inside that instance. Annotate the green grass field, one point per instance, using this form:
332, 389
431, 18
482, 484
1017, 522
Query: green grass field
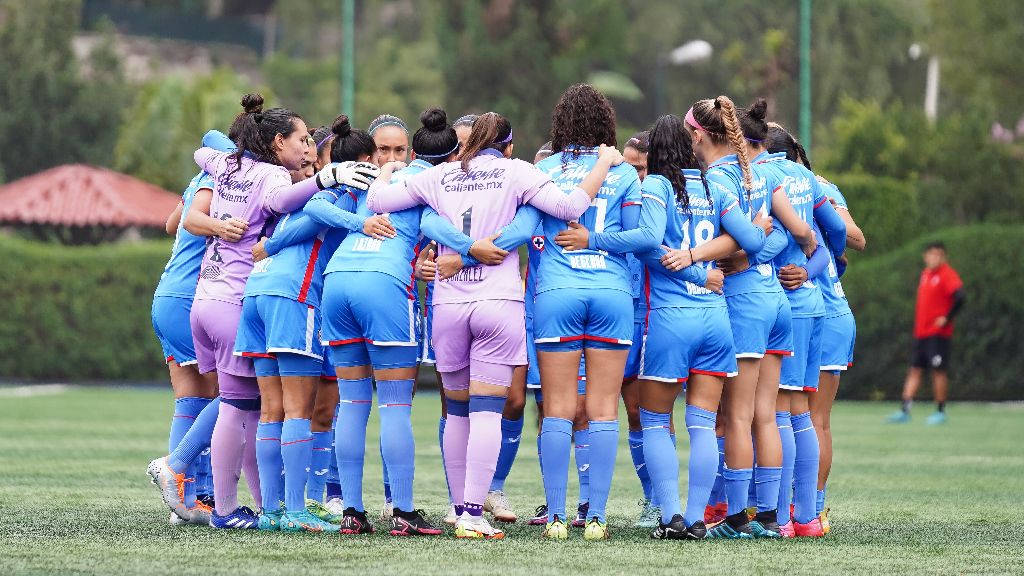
75, 499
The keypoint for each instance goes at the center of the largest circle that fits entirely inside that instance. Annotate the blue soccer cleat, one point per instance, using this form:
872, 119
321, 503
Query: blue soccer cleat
936, 419
241, 519
899, 417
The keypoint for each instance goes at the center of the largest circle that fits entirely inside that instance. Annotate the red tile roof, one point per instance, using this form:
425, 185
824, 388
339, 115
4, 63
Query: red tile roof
80, 195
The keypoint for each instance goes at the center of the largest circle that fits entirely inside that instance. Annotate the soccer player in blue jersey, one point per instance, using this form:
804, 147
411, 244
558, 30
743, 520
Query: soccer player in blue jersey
584, 301
172, 302
837, 342
688, 338
799, 375
758, 312
635, 152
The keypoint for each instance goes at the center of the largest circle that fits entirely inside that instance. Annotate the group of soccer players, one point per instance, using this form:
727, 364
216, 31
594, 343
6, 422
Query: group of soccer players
704, 259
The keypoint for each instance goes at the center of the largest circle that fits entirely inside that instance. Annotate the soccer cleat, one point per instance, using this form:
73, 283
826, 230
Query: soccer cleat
176, 520
322, 512
898, 417
715, 514
650, 517
555, 530
451, 518
581, 515
304, 521
199, 514
497, 504
697, 531
207, 499
270, 520
812, 529
171, 485
826, 526
412, 524
387, 511
242, 518
477, 527
735, 527
336, 506
596, 530
765, 525
751, 512
787, 530
355, 522
936, 419
540, 516
674, 530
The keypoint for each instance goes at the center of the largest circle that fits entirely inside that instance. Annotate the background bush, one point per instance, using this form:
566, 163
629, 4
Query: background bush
79, 313
986, 361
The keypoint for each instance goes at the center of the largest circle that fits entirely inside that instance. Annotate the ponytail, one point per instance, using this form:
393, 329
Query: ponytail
490, 130
735, 135
670, 151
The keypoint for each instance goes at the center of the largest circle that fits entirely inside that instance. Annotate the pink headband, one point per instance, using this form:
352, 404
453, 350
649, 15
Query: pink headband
693, 121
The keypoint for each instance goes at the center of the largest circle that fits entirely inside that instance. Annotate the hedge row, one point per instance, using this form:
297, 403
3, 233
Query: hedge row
82, 313
987, 363
79, 313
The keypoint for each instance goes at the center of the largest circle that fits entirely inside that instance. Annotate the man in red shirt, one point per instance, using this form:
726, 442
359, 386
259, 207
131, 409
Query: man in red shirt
939, 298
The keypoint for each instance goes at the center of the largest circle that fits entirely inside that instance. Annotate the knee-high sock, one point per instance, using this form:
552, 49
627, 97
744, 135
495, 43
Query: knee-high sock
556, 443
805, 468
788, 458
350, 437
482, 449
385, 476
204, 478
752, 485
581, 448
636, 451
250, 468
737, 483
718, 492
662, 462
268, 456
297, 455
227, 445
185, 412
394, 400
440, 442
700, 425
333, 478
766, 486
456, 442
320, 465
820, 505
604, 445
197, 439
511, 433
540, 457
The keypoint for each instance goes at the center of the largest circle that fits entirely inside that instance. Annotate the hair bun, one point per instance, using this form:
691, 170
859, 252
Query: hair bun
759, 109
434, 119
341, 126
252, 103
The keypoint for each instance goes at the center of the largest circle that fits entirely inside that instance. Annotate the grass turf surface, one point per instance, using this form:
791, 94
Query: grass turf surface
75, 499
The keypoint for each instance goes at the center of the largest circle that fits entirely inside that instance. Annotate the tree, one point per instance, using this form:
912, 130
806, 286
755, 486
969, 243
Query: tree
54, 112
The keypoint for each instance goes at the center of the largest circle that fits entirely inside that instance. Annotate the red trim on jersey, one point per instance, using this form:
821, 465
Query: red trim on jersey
647, 296
353, 196
726, 210
412, 277
777, 188
708, 372
349, 341
823, 200
779, 352
307, 279
624, 204
257, 355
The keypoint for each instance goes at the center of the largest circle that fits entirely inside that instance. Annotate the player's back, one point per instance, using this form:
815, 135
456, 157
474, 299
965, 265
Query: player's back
182, 269
595, 269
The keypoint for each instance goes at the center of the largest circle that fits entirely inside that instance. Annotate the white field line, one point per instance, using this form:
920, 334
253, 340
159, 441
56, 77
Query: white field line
29, 391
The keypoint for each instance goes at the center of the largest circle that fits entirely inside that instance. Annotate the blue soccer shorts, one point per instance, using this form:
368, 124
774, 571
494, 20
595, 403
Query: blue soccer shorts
800, 371
684, 341
761, 324
837, 341
567, 319
170, 316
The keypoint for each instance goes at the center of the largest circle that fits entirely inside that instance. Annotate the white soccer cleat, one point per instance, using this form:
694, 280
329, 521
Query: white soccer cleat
171, 485
497, 504
336, 506
477, 527
451, 518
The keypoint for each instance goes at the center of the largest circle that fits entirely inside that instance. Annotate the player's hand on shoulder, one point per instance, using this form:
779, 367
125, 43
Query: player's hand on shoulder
610, 154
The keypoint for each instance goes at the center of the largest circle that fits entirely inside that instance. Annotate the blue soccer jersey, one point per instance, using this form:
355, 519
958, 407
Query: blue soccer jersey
831, 288
296, 269
591, 269
805, 194
415, 167
535, 247
182, 270
754, 202
710, 209
392, 256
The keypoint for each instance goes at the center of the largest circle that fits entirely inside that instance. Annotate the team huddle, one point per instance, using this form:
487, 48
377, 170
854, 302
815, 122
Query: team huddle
704, 259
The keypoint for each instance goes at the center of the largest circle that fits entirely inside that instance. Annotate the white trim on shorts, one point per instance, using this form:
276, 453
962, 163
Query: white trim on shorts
294, 351
661, 379
189, 363
833, 368
749, 356
791, 388
310, 329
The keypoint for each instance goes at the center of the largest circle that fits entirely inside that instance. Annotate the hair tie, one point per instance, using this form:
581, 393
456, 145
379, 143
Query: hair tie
323, 142
753, 140
445, 155
507, 138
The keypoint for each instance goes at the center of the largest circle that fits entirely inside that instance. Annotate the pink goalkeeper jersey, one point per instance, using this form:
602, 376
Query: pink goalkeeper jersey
479, 203
255, 193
